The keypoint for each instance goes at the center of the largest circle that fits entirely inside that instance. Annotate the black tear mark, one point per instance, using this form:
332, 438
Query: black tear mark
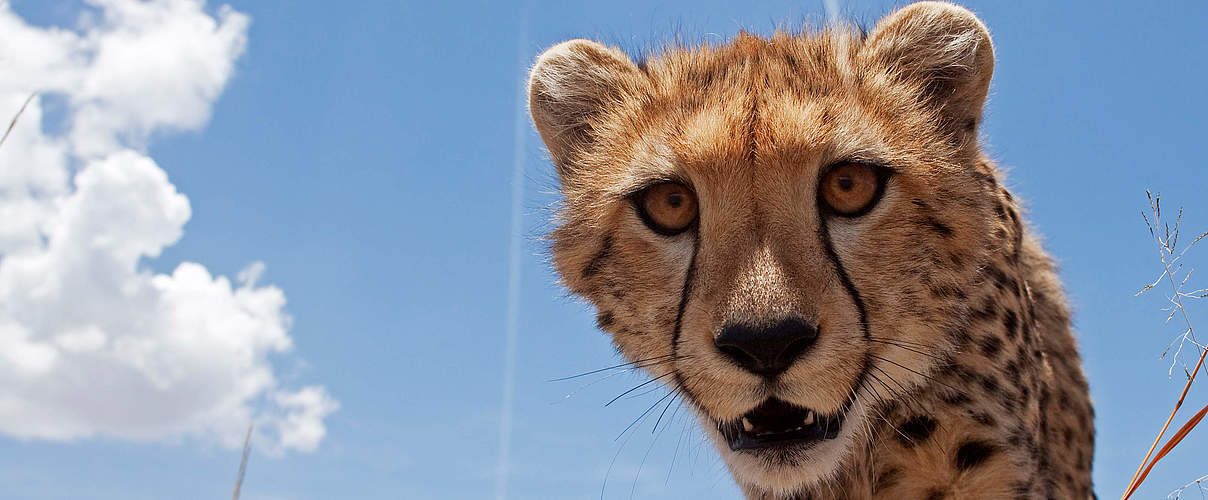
685, 294
843, 277
973, 453
601, 257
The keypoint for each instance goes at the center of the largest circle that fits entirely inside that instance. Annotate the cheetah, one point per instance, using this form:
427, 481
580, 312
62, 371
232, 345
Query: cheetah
802, 236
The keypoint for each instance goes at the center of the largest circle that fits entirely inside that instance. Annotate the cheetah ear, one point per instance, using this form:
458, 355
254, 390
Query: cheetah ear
569, 87
944, 50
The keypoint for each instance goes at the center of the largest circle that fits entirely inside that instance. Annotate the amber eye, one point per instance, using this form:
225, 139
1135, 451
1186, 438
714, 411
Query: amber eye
850, 189
668, 208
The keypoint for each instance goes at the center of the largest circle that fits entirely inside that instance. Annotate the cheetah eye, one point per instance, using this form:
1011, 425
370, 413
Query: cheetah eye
667, 208
851, 189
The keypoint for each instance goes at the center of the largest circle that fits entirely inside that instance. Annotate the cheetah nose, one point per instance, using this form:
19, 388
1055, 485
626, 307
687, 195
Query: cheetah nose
766, 350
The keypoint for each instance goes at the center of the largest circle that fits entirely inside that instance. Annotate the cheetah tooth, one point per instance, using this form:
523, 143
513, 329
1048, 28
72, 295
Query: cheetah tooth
809, 418
747, 426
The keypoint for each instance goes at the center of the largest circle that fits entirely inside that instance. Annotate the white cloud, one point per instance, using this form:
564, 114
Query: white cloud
91, 342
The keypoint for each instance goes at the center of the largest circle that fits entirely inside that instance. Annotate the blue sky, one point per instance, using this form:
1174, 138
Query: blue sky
364, 155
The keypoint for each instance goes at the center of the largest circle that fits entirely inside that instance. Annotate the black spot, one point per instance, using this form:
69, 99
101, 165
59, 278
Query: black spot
601, 257
998, 276
956, 371
936, 494
1064, 401
1011, 283
1012, 369
986, 311
983, 418
939, 227
887, 478
990, 384
1010, 321
973, 453
915, 430
990, 346
604, 319
1008, 401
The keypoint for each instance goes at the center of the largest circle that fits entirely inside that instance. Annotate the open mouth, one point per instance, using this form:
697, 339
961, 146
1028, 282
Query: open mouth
777, 424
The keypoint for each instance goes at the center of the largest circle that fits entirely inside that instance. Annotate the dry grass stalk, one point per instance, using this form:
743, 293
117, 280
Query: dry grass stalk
1167, 238
247, 446
16, 117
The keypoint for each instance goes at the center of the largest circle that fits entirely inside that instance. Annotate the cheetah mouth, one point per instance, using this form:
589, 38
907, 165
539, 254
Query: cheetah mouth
776, 424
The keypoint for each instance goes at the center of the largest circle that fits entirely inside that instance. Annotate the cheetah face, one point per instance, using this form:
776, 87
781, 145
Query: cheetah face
779, 229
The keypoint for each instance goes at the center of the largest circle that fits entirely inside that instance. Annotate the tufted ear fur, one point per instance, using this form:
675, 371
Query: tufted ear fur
569, 87
943, 50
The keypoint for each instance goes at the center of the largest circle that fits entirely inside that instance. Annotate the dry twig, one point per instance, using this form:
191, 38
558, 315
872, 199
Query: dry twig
247, 446
17, 116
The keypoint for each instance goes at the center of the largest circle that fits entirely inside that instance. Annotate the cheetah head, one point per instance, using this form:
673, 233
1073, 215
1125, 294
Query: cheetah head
779, 229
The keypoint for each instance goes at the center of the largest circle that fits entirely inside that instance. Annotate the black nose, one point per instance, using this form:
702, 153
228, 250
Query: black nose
766, 350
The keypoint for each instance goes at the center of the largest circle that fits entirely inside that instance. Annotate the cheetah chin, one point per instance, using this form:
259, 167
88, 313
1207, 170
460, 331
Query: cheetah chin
802, 236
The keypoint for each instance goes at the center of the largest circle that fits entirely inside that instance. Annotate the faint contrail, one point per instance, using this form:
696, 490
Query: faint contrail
515, 246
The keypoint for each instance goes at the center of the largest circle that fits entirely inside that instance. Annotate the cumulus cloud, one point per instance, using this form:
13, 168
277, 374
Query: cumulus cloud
92, 343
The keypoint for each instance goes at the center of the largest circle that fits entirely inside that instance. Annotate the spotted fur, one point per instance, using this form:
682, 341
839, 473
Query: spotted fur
943, 328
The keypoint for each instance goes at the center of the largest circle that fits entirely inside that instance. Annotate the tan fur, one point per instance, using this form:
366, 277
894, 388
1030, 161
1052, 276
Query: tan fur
964, 374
